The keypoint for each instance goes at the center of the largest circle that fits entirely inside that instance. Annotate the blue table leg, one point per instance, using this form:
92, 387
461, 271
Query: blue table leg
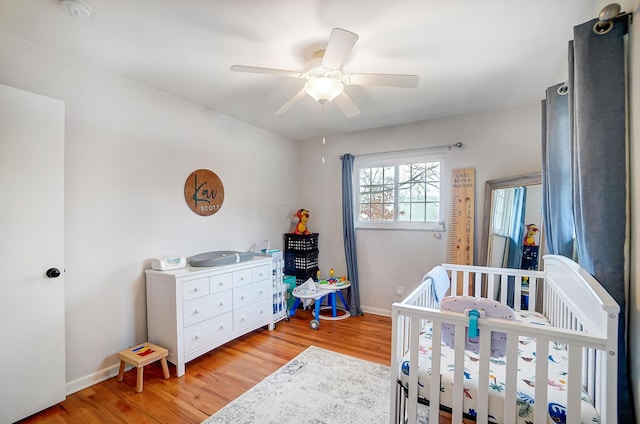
344, 302
295, 305
332, 301
317, 308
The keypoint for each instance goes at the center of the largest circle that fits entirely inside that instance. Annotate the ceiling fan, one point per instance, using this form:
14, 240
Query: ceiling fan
325, 78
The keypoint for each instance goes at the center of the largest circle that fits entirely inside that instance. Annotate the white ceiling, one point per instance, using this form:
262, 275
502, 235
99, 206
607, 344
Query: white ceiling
470, 55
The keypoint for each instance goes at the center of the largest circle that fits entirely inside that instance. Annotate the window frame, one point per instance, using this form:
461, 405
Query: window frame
391, 159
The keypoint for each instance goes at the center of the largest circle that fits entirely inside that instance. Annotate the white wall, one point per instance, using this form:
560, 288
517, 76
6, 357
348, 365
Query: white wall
634, 295
129, 150
497, 144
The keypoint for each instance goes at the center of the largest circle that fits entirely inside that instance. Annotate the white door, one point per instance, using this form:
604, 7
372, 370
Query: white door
32, 347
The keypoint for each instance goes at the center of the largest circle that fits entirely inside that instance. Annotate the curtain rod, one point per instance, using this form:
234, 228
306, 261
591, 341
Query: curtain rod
419, 149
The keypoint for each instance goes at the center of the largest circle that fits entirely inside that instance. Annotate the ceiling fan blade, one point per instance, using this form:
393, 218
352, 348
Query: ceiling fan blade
347, 106
270, 71
293, 100
387, 80
338, 48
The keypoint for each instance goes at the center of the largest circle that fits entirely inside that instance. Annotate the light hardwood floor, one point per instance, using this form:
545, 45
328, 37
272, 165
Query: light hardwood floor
215, 379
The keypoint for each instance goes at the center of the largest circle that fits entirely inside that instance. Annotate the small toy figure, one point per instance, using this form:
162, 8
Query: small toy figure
529, 238
301, 226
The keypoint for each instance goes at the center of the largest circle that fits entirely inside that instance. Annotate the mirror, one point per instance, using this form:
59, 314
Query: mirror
512, 209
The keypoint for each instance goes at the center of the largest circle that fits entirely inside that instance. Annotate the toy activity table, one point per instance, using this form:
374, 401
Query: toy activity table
316, 293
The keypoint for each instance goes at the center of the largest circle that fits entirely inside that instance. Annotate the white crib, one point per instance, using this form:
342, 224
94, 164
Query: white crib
582, 318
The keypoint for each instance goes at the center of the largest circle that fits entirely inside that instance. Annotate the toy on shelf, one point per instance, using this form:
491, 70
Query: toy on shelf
301, 226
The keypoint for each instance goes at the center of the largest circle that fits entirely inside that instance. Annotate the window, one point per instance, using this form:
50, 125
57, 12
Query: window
502, 218
400, 193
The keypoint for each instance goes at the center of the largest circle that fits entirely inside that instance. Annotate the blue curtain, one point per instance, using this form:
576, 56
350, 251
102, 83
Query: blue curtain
516, 232
349, 234
557, 190
596, 154
516, 237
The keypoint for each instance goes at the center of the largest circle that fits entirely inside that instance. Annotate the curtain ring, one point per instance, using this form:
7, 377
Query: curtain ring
602, 28
563, 90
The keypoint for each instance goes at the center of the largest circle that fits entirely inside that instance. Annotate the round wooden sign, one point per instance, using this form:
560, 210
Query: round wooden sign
204, 192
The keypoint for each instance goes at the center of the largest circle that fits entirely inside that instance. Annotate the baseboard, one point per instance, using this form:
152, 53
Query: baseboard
91, 379
376, 311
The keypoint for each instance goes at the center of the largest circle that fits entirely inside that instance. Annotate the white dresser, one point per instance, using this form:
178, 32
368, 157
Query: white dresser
191, 311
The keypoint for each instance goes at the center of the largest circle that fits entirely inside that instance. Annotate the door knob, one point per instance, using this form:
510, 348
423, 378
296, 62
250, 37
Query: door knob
53, 273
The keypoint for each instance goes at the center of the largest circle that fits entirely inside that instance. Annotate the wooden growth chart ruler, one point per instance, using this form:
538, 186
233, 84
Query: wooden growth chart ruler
461, 228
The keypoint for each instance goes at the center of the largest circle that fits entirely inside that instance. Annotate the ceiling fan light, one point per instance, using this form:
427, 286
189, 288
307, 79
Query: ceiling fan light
323, 89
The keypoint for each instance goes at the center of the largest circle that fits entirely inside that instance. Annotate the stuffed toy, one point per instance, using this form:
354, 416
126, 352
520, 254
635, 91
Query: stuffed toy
529, 238
301, 226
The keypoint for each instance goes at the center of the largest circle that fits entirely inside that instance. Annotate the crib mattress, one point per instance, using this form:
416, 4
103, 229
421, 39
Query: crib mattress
558, 365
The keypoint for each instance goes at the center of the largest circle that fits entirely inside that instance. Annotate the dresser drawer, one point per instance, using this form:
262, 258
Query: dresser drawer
220, 282
261, 273
201, 334
195, 288
203, 308
252, 314
242, 277
251, 293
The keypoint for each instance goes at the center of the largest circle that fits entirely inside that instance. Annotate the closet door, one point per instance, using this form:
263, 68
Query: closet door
32, 260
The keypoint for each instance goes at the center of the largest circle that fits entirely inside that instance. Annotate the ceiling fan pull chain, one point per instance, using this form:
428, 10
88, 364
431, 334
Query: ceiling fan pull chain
324, 141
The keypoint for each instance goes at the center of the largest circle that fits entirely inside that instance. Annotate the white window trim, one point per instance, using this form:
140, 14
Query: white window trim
394, 159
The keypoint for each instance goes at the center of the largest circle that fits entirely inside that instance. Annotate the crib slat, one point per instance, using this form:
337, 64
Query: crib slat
478, 285
458, 375
573, 385
483, 378
454, 283
504, 284
587, 365
517, 293
413, 369
491, 286
511, 378
542, 371
396, 355
465, 283
533, 288
434, 392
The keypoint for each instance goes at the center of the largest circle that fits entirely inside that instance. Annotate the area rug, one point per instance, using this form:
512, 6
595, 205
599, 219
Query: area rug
316, 387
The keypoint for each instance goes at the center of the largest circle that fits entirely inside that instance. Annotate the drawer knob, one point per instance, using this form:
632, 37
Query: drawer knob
196, 311
222, 326
197, 337
242, 297
196, 289
242, 319
221, 283
221, 303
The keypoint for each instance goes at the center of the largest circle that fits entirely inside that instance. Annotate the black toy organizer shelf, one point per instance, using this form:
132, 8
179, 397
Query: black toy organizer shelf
301, 256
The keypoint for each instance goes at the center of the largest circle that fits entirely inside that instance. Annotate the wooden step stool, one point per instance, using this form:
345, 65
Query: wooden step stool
141, 355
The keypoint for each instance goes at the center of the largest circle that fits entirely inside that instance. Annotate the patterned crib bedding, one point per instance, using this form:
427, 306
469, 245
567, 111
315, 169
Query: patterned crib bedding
558, 365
